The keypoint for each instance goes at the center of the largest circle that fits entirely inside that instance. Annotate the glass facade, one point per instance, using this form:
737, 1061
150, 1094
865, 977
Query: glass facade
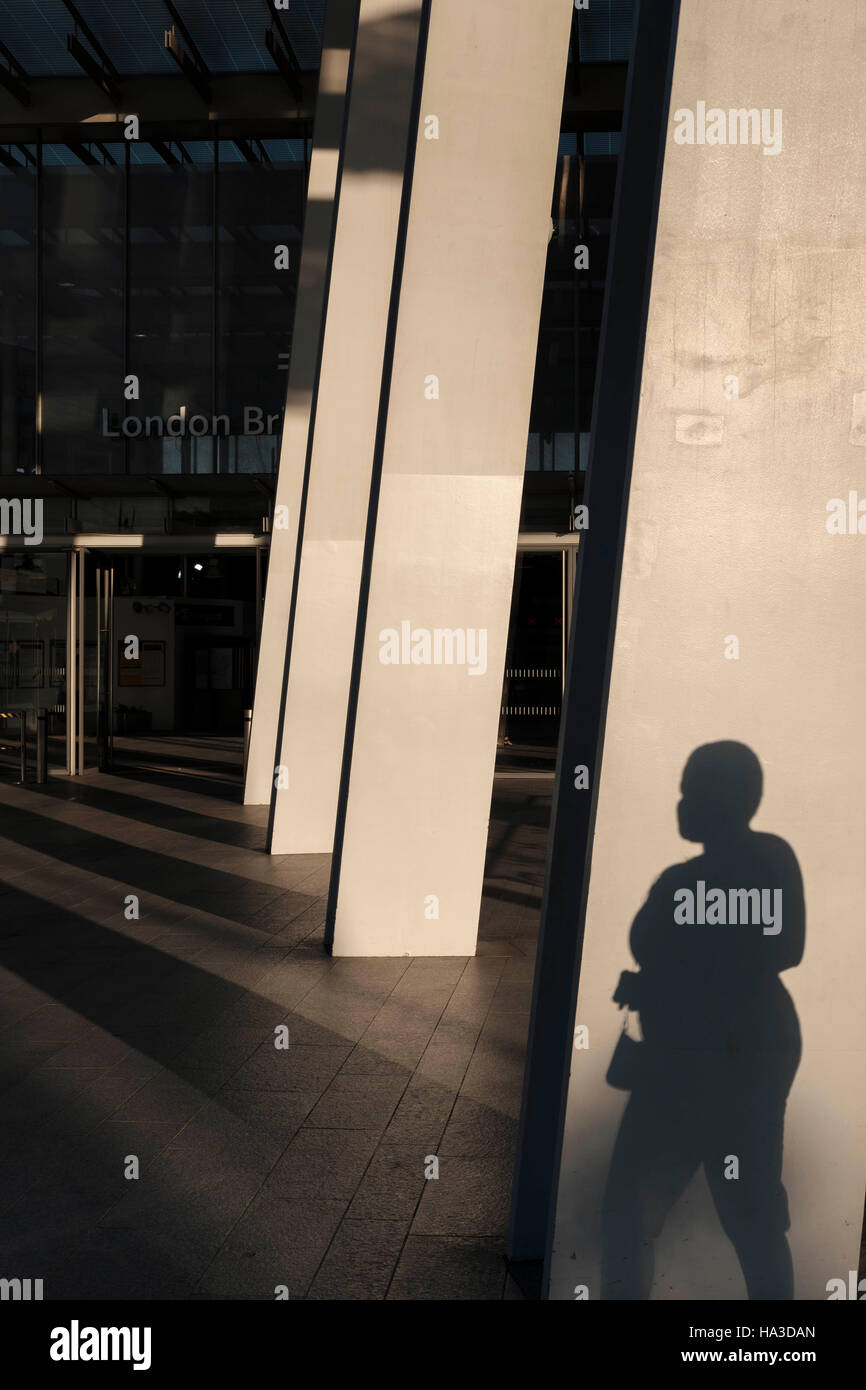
261, 206
228, 34
147, 295
575, 276
18, 309
605, 31
81, 290
147, 299
570, 325
172, 258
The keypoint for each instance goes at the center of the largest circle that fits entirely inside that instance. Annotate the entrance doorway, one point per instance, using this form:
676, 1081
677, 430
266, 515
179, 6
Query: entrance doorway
186, 628
124, 653
33, 600
535, 659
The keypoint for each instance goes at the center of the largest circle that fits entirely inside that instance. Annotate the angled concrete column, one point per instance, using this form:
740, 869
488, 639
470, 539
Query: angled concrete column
733, 758
409, 862
337, 42
322, 639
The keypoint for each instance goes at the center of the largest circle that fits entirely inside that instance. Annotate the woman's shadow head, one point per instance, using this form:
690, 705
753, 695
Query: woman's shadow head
721, 790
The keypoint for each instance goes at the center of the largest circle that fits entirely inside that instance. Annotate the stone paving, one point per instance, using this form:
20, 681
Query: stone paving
148, 1042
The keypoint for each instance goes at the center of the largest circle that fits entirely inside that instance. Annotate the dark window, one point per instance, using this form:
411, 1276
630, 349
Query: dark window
261, 203
171, 268
83, 305
17, 309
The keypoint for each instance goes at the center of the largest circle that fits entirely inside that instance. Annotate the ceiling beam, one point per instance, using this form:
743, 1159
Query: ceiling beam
81, 23
283, 53
253, 151
99, 68
167, 156
9, 161
277, 17
14, 78
191, 63
246, 150
190, 41
89, 65
248, 104
287, 64
82, 152
187, 66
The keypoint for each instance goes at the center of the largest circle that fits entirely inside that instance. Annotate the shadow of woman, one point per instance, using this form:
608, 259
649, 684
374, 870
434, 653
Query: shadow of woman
721, 1040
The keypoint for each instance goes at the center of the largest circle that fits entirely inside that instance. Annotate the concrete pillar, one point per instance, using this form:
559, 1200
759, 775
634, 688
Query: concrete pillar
337, 44
409, 858
378, 138
740, 619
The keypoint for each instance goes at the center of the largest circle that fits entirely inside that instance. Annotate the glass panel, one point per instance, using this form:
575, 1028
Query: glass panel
563, 451
555, 398
261, 203
229, 34
606, 29
36, 35
171, 308
599, 185
17, 309
83, 283
33, 590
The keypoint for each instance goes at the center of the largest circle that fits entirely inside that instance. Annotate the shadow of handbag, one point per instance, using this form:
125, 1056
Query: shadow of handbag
628, 1063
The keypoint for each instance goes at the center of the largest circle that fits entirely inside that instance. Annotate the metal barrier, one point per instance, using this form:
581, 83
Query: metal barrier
21, 716
41, 770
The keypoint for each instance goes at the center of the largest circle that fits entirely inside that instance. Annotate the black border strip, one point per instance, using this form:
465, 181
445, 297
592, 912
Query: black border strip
614, 421
376, 480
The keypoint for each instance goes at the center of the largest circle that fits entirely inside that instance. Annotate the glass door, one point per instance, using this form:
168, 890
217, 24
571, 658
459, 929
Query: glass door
33, 600
88, 663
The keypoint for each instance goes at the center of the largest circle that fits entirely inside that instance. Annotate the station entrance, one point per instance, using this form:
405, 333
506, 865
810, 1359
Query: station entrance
127, 658
144, 658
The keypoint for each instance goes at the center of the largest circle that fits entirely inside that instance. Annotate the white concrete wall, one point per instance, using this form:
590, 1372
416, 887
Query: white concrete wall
446, 531
306, 337
760, 273
317, 691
